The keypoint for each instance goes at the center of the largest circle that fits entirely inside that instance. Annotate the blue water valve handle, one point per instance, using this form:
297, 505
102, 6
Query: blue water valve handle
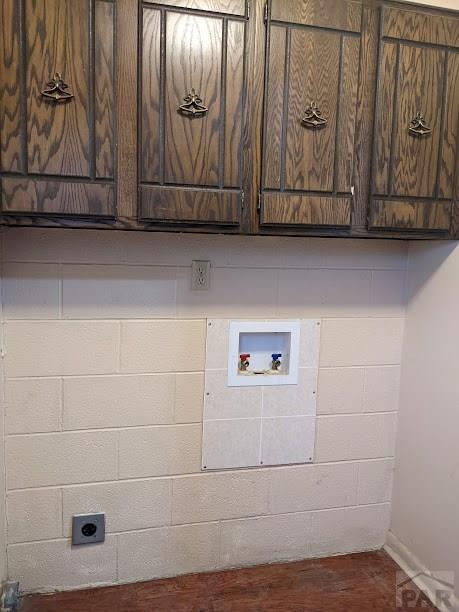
276, 363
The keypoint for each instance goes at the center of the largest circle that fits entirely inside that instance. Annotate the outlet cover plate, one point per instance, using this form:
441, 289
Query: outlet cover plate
200, 273
88, 528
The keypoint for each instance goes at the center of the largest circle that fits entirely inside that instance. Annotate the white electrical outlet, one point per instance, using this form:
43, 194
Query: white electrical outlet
200, 272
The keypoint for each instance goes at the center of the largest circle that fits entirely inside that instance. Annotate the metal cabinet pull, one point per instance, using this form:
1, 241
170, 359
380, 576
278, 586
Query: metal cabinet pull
192, 106
313, 117
418, 125
56, 89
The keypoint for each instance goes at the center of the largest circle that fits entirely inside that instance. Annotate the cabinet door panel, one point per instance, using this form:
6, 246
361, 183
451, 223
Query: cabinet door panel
104, 89
57, 41
311, 72
60, 127
342, 15
50, 197
347, 113
274, 110
310, 154
152, 152
185, 53
450, 139
10, 99
296, 210
194, 205
233, 102
193, 61
417, 26
384, 117
414, 184
411, 215
231, 7
419, 89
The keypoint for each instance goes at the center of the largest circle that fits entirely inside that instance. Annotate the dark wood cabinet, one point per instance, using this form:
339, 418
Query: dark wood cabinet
310, 109
417, 122
192, 109
293, 117
57, 107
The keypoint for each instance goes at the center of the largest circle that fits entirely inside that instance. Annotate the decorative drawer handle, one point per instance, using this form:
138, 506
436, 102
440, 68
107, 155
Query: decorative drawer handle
313, 117
192, 106
418, 125
56, 89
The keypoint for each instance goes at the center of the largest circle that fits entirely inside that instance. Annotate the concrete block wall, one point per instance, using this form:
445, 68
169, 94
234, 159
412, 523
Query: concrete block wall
3, 541
104, 346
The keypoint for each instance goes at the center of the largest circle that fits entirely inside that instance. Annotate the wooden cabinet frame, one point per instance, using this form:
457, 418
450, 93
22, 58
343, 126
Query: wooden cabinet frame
58, 142
415, 176
128, 184
251, 129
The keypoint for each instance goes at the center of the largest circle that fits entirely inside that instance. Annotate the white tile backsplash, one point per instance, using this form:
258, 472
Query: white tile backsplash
33, 405
217, 496
360, 436
118, 401
312, 487
162, 346
159, 451
265, 539
223, 402
341, 390
288, 440
292, 400
356, 342
34, 514
118, 292
103, 334
281, 418
128, 506
57, 564
324, 293
31, 291
231, 443
53, 348
61, 458
177, 550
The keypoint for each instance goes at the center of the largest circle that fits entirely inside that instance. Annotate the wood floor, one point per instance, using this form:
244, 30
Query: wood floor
361, 582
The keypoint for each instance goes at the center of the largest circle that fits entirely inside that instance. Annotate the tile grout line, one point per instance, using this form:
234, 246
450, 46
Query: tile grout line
299, 314
62, 401
62, 511
216, 521
61, 291
120, 341
168, 372
199, 474
185, 265
190, 424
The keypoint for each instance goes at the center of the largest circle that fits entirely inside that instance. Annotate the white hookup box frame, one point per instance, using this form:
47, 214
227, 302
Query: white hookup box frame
261, 339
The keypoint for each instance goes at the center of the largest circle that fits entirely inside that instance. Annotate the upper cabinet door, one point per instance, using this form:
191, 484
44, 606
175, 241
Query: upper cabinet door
57, 107
310, 112
192, 111
417, 120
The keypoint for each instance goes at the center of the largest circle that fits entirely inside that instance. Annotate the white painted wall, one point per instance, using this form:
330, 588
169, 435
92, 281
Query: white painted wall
3, 565
449, 4
426, 488
104, 365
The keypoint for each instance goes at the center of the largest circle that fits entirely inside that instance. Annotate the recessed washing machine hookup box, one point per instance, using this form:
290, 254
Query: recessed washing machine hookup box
263, 353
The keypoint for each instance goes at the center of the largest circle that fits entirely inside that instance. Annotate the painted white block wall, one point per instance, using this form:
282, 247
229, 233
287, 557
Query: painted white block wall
449, 4
426, 498
104, 363
3, 536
